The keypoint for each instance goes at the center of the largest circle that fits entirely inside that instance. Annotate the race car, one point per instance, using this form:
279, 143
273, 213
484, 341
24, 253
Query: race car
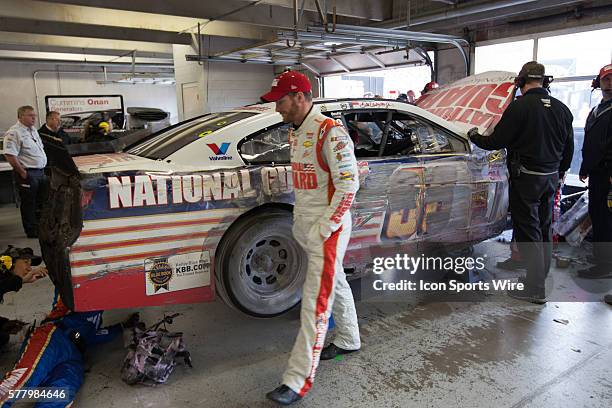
204, 207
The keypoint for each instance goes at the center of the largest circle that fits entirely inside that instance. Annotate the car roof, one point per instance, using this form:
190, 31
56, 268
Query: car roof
352, 104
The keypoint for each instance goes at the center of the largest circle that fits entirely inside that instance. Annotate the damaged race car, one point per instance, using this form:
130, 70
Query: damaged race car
205, 206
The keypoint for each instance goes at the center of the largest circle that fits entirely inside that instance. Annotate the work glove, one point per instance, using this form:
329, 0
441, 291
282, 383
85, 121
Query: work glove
473, 132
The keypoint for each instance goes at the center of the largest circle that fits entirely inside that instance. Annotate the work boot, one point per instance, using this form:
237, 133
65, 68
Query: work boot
608, 299
519, 295
283, 395
332, 351
526, 295
595, 272
511, 264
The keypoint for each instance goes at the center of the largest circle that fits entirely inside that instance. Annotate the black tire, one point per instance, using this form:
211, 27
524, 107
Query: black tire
260, 268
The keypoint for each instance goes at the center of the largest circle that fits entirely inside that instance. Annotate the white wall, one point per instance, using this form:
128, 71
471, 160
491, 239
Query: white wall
17, 89
222, 85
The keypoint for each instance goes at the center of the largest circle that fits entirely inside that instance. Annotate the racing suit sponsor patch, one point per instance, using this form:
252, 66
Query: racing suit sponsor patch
304, 176
340, 146
343, 207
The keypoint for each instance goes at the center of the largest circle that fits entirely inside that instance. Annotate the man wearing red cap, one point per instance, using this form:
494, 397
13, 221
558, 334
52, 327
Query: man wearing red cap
597, 167
325, 179
430, 86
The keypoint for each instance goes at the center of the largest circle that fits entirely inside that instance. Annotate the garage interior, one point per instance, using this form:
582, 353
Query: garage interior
189, 58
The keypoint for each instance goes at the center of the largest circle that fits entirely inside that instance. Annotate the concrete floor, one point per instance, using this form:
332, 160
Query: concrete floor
418, 350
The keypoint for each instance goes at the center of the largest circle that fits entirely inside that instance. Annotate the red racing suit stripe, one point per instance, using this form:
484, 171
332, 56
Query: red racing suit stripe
35, 348
325, 289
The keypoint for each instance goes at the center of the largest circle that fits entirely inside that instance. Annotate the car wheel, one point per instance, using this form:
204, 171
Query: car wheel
260, 266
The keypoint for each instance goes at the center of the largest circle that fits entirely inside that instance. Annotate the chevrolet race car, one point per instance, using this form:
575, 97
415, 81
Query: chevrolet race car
204, 206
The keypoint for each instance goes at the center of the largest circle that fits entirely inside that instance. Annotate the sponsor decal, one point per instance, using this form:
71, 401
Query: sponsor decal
205, 133
341, 156
177, 272
339, 138
323, 130
370, 104
343, 207
219, 151
480, 199
345, 166
276, 180
495, 156
340, 146
323, 108
309, 135
307, 153
304, 176
308, 143
149, 190
159, 274
347, 176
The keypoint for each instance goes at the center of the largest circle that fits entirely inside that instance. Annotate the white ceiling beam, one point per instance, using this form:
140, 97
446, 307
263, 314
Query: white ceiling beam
84, 58
267, 9
16, 41
108, 18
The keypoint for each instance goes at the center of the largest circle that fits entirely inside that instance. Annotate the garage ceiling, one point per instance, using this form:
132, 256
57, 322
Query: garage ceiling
112, 31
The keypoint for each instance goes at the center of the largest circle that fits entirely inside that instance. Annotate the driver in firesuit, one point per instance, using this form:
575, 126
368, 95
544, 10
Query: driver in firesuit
325, 179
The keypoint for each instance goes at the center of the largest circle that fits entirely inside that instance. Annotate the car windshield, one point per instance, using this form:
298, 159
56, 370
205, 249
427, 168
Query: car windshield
165, 143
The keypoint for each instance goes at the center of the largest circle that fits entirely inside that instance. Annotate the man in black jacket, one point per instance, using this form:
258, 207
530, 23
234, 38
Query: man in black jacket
537, 131
53, 128
597, 167
15, 270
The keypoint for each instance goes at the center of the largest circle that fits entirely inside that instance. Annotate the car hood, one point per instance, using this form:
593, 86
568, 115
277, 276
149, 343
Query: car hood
476, 101
100, 163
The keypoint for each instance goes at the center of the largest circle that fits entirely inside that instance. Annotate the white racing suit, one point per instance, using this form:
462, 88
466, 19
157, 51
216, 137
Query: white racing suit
325, 179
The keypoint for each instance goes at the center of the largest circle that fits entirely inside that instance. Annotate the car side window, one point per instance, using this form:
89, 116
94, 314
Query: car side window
270, 145
428, 138
366, 130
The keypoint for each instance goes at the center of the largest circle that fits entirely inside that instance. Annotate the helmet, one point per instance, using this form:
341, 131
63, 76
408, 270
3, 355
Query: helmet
430, 86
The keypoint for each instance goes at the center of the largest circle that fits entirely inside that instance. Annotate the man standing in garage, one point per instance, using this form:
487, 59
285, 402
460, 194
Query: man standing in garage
325, 179
53, 128
24, 151
537, 131
597, 167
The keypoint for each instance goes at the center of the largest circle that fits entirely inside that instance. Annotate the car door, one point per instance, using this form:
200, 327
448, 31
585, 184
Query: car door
443, 201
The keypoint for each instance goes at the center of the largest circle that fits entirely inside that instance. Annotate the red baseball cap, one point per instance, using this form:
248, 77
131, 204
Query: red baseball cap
286, 83
605, 71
